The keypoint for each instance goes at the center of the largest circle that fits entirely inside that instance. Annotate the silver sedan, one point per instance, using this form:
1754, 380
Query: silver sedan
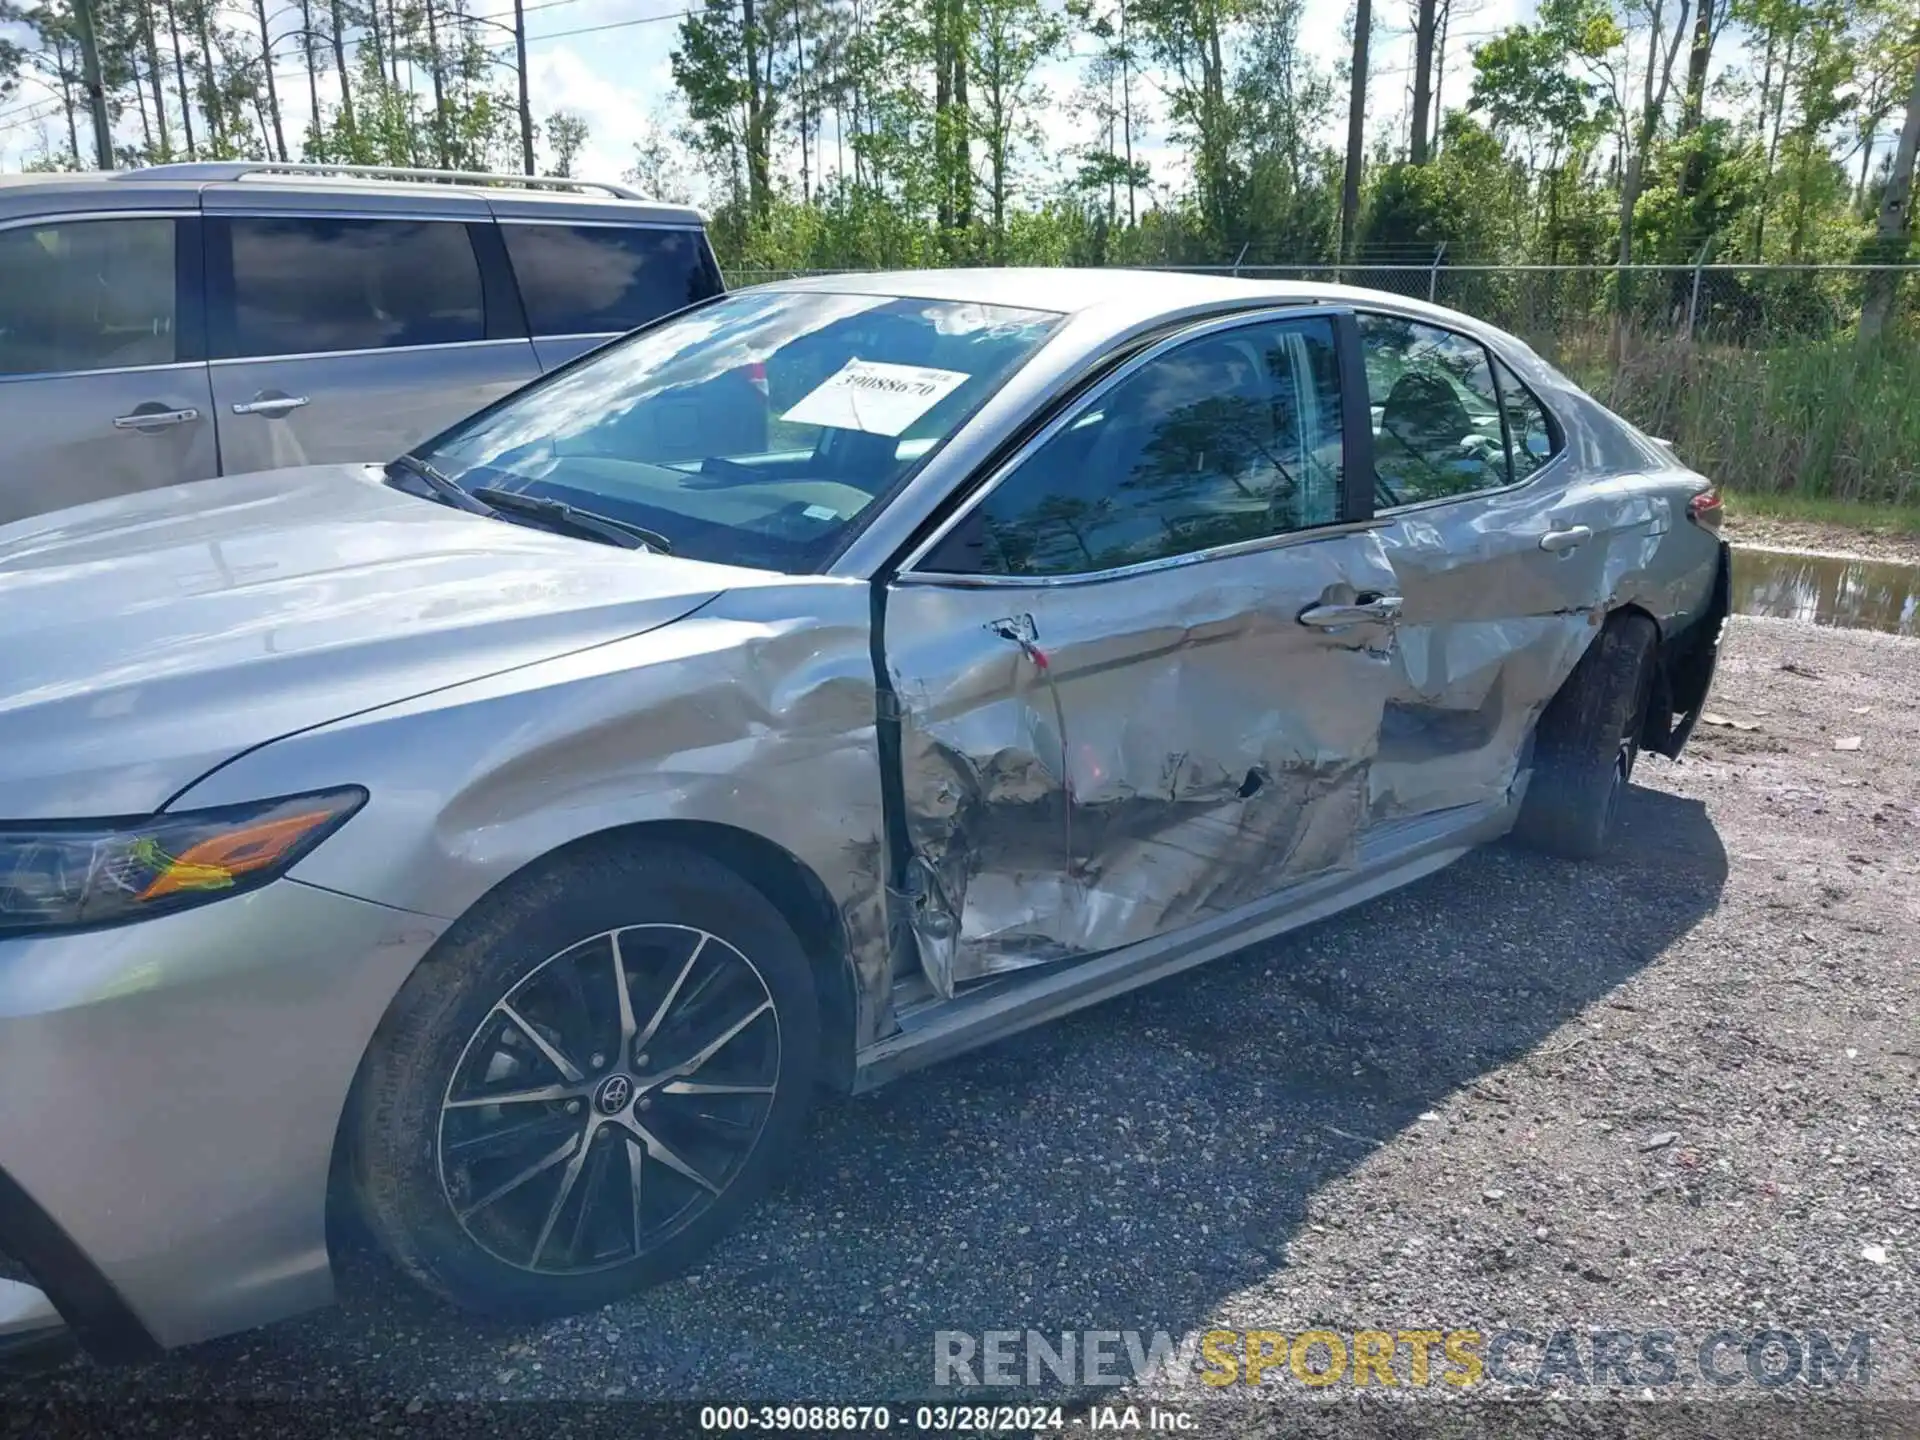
825, 680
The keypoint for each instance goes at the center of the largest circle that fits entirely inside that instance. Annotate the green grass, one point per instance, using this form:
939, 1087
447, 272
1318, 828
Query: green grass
1812, 420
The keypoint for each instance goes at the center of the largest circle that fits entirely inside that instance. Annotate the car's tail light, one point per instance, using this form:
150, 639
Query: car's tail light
757, 376
1705, 509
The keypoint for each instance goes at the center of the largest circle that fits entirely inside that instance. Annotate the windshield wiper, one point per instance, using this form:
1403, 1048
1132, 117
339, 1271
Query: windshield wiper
587, 522
443, 489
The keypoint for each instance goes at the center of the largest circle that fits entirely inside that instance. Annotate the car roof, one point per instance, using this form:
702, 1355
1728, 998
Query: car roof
518, 196
1124, 298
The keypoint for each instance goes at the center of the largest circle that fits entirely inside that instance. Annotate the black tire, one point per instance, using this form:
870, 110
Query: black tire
1588, 740
424, 1137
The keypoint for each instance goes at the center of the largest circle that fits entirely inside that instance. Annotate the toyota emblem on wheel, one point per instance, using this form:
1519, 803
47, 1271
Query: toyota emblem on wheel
614, 1095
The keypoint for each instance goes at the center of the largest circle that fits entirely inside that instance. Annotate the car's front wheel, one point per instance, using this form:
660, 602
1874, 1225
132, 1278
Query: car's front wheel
587, 1083
1588, 740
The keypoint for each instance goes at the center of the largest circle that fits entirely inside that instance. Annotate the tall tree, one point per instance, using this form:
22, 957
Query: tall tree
1190, 39
1107, 94
273, 89
1011, 40
1528, 95
1664, 35
337, 33
727, 67
57, 57
1694, 103
1893, 229
1356, 129
437, 71
566, 134
180, 75
12, 56
200, 17
156, 76
1423, 38
310, 45
952, 116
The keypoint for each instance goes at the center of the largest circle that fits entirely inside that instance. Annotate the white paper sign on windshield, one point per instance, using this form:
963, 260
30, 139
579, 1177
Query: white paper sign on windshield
878, 398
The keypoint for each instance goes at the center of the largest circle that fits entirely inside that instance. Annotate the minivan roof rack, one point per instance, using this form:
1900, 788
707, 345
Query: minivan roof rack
238, 169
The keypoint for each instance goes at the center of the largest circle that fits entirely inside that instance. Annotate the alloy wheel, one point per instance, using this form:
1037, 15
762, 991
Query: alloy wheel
609, 1098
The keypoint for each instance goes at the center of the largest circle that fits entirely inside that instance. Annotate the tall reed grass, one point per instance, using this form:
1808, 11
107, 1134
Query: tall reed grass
1822, 419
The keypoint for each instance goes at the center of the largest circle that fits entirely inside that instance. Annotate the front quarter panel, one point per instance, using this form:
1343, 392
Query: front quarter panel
756, 714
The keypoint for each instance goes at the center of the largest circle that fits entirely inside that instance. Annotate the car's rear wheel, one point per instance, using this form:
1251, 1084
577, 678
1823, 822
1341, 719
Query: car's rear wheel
587, 1083
1588, 740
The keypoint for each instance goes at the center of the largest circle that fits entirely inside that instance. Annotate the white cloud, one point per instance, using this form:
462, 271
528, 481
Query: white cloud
562, 77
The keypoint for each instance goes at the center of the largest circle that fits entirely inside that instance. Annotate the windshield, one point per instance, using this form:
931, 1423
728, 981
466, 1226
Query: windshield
752, 431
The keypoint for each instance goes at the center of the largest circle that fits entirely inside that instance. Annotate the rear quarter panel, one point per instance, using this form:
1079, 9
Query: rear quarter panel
1656, 557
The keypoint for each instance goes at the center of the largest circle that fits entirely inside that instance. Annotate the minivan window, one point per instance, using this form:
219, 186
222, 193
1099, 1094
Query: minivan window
754, 430
86, 295
306, 284
606, 279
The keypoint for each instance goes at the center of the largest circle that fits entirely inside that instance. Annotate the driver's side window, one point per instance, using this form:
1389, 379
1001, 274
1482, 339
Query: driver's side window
1437, 430
1233, 436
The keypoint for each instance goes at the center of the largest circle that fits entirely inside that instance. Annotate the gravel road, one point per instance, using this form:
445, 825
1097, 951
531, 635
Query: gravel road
1673, 1089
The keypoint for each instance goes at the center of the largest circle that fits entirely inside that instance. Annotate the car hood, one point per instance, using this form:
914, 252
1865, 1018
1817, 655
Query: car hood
151, 637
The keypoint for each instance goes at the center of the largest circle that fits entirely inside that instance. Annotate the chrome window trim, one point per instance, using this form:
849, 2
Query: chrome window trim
1494, 354
601, 222
75, 217
1284, 541
232, 360
62, 217
1219, 324
15, 379
1416, 507
255, 212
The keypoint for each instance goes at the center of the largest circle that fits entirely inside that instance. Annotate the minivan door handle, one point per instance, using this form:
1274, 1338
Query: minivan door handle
270, 405
155, 419
1372, 611
1561, 541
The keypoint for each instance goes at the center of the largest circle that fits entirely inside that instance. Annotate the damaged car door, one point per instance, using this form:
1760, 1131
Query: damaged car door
1500, 565
1139, 674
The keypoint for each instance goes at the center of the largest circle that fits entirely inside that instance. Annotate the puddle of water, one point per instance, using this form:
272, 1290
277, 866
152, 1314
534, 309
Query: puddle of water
1850, 594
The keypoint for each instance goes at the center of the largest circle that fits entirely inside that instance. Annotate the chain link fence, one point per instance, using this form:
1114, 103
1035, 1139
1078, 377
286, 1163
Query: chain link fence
1564, 308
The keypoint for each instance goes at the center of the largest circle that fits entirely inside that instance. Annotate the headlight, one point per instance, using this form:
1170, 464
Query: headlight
61, 874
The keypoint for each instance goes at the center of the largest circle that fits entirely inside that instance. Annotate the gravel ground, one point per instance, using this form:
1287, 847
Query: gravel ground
1817, 537
1672, 1089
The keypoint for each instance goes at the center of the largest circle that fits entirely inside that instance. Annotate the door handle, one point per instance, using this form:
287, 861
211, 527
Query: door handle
1559, 542
271, 406
1378, 610
155, 419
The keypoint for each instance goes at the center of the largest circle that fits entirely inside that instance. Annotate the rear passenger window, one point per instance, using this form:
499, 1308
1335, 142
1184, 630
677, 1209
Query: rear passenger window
604, 279
1436, 413
312, 284
1529, 433
86, 295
